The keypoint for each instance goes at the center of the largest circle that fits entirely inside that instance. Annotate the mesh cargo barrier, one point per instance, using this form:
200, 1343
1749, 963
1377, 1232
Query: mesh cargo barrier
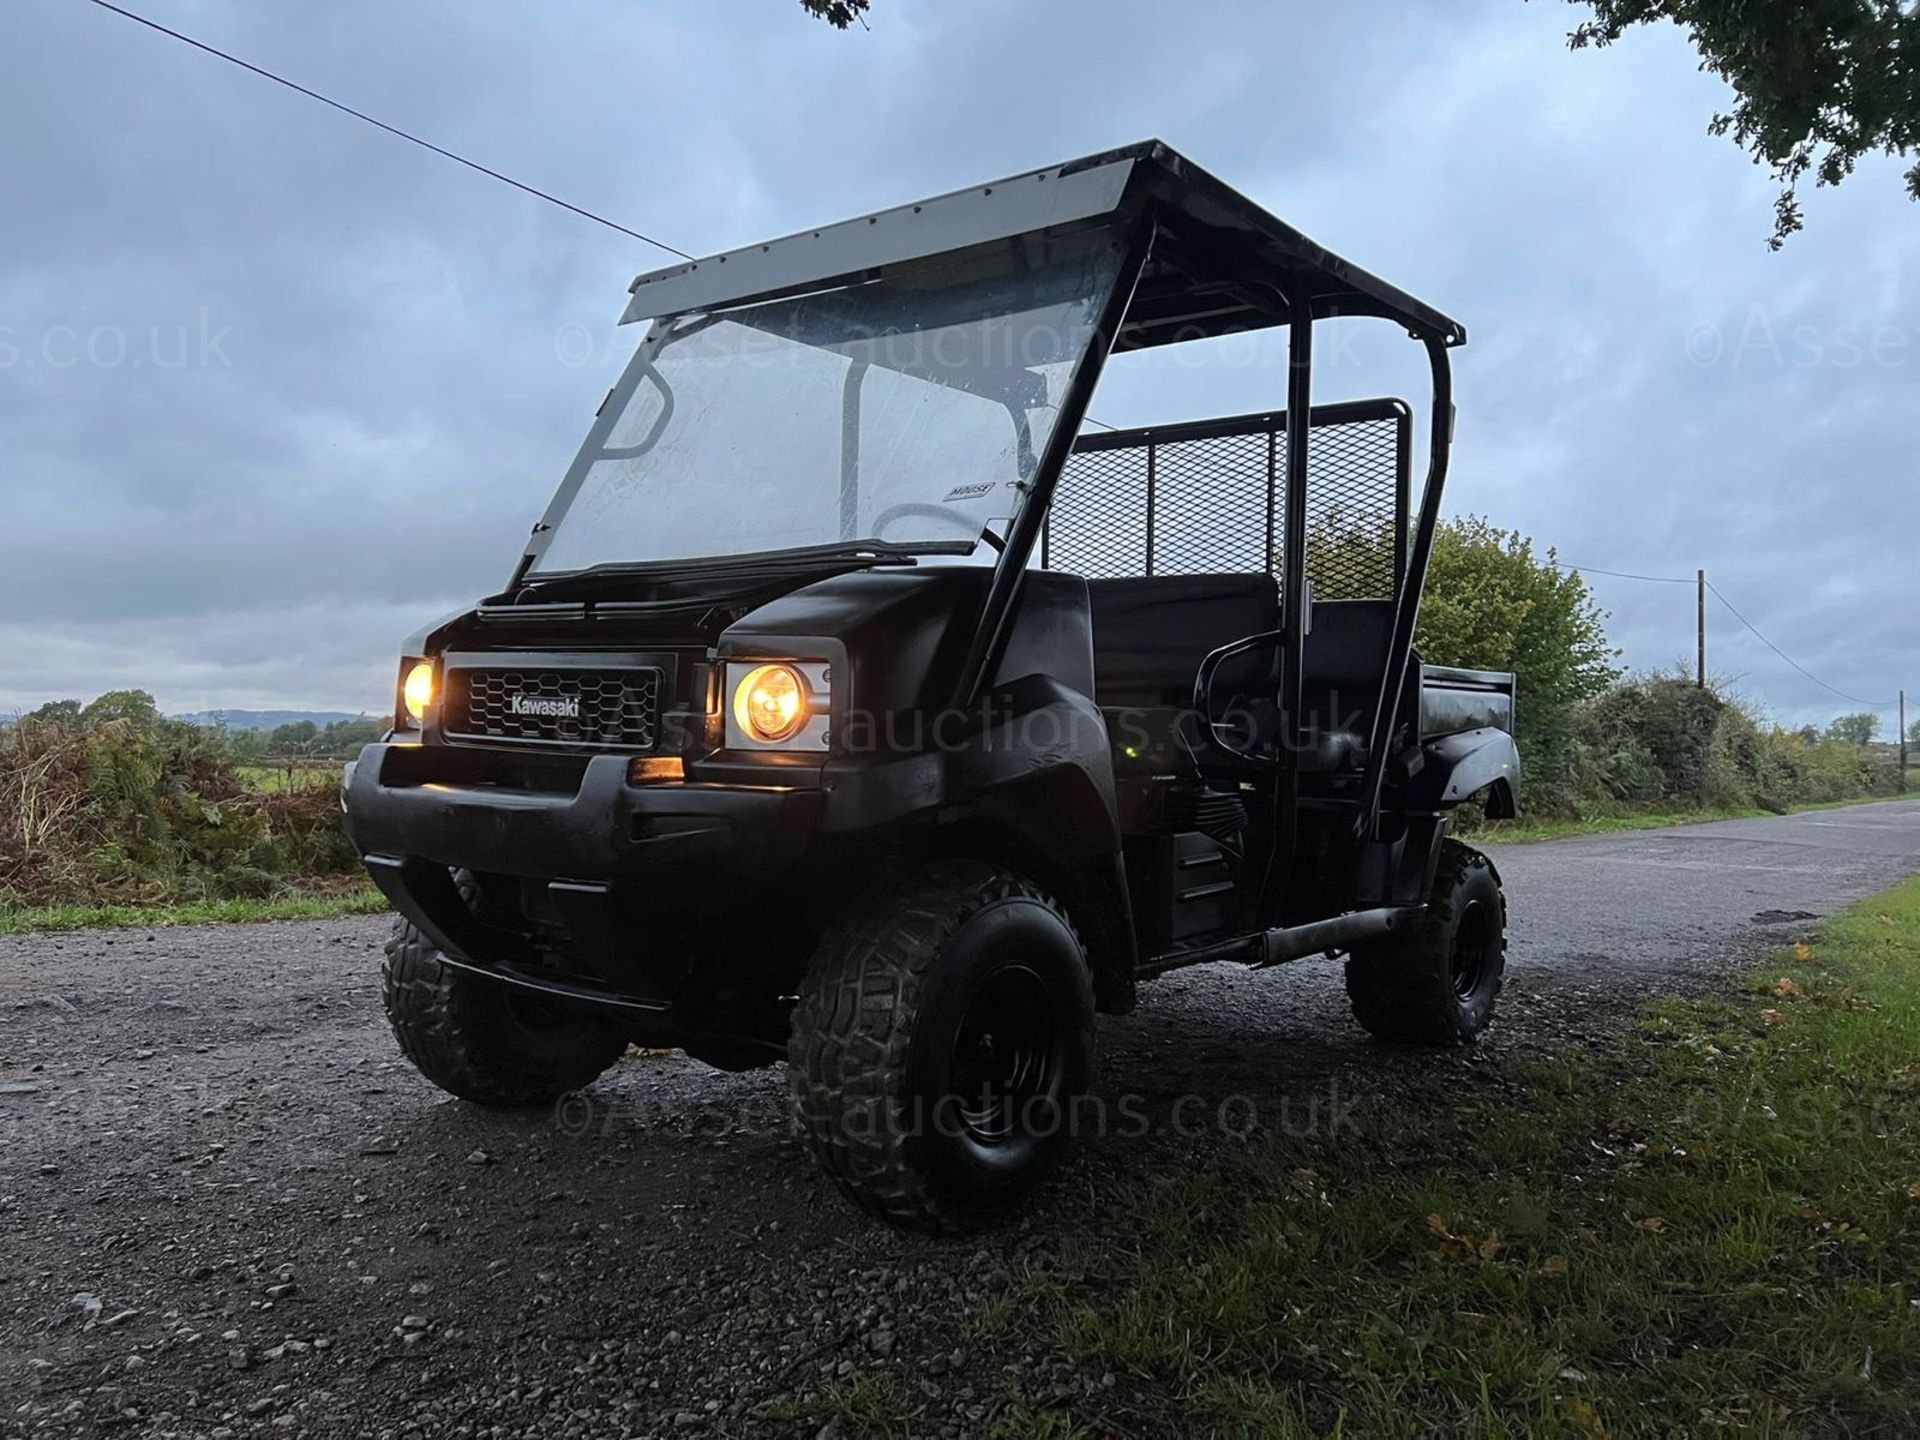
1206, 498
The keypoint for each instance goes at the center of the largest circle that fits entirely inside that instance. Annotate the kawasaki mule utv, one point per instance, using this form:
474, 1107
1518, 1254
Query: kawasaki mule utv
849, 706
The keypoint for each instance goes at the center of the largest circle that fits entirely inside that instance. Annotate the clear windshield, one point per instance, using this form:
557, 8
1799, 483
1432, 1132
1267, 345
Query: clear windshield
908, 409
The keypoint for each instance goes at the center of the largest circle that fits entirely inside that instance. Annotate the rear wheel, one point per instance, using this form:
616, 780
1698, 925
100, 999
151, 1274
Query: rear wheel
940, 1039
1435, 983
485, 1041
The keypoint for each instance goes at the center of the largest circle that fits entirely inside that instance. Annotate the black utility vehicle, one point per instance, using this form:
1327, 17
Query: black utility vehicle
851, 706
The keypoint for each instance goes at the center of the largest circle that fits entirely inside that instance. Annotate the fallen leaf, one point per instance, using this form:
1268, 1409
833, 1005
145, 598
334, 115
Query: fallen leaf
1803, 952
1437, 1227
1786, 989
1491, 1247
1772, 1017
1554, 1267
1585, 1418
1653, 1222
1913, 1192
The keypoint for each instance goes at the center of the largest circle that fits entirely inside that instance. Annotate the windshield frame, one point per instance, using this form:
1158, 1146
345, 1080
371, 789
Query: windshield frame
1020, 392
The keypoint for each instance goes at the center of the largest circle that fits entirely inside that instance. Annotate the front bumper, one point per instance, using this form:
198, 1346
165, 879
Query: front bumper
607, 851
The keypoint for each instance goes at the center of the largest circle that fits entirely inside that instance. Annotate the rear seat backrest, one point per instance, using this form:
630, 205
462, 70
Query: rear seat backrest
1150, 634
1345, 654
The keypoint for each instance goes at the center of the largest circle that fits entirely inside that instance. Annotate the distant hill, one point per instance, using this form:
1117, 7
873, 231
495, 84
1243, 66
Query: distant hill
264, 719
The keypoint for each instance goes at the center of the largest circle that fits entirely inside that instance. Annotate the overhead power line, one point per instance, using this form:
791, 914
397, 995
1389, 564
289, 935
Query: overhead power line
1623, 574
379, 124
1731, 610
1854, 699
492, 174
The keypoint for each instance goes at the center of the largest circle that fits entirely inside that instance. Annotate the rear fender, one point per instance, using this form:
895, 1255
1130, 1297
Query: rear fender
1455, 768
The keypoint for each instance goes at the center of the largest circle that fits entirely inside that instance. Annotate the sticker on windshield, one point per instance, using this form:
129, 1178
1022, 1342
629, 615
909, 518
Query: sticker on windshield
968, 492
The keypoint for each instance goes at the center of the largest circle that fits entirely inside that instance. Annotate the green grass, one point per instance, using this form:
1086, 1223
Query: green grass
1709, 1226
1525, 832
876, 1405
872, 1403
22, 919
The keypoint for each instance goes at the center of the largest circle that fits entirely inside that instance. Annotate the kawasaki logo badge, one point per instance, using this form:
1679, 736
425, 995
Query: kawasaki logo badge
545, 707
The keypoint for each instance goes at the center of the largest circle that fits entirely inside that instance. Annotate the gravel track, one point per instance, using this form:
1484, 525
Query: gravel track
228, 1208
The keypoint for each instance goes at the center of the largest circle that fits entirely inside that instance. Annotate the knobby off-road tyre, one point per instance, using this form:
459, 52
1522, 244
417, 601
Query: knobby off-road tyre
1435, 984
942, 1035
484, 1041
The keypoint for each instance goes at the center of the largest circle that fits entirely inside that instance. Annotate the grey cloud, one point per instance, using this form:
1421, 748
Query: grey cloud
399, 377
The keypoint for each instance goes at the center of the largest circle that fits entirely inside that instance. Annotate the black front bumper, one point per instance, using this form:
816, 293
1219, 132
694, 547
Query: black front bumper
606, 850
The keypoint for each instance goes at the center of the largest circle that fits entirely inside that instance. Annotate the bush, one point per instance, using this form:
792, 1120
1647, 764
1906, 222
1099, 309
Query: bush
1492, 604
114, 803
1660, 742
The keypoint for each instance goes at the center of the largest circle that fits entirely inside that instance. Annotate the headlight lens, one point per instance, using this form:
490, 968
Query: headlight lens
771, 702
416, 692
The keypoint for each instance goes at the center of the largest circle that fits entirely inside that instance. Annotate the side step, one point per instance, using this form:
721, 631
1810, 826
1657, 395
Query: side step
1294, 942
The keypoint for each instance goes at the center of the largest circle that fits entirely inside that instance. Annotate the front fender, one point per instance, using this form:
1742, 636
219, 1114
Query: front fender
1027, 783
1031, 729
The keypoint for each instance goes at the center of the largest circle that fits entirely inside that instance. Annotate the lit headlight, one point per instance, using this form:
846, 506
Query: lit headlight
770, 702
416, 691
777, 705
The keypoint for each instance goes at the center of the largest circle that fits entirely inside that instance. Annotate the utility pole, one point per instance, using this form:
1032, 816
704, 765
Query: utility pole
1903, 742
1701, 615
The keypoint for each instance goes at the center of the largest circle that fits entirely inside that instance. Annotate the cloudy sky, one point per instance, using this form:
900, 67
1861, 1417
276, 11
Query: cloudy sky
276, 387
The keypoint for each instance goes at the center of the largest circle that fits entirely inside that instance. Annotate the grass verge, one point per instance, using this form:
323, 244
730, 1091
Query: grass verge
1712, 1226
1504, 832
23, 919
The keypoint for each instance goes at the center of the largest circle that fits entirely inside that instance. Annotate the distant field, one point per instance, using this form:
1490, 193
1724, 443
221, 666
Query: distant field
277, 779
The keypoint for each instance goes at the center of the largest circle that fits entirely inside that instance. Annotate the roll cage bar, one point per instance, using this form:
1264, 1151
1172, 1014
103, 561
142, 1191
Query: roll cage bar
1199, 260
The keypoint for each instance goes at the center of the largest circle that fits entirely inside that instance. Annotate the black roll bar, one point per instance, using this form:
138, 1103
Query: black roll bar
989, 634
1293, 601
1406, 605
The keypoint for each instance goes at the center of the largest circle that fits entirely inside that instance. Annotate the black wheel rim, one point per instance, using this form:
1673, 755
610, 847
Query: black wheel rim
1472, 950
1006, 1056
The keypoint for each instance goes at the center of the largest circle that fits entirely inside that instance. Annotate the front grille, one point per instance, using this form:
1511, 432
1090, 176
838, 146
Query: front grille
556, 707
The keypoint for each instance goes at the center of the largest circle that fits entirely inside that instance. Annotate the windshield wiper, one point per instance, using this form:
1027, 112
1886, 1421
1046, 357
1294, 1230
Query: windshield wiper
865, 552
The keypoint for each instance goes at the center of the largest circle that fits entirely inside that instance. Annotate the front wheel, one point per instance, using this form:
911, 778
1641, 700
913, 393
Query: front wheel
1435, 983
941, 1037
484, 1041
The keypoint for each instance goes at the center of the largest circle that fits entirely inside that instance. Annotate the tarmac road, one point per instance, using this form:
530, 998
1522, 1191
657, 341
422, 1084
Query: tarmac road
226, 1207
